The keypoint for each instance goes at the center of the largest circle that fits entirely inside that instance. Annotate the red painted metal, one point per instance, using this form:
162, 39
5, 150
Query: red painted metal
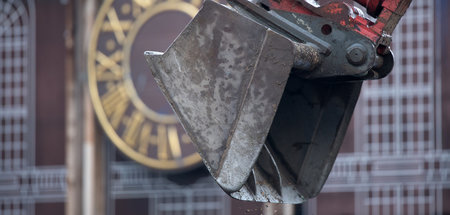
373, 6
386, 12
291, 6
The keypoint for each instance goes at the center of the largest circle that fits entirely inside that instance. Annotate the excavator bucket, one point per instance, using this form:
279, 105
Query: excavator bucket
262, 106
263, 133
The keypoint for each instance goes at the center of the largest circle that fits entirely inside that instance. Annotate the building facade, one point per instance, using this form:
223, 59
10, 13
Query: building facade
395, 158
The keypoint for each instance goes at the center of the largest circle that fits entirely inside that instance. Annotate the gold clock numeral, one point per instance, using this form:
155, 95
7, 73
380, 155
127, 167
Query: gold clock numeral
116, 26
160, 140
162, 143
166, 140
115, 103
133, 125
125, 26
108, 68
145, 138
139, 5
174, 142
143, 3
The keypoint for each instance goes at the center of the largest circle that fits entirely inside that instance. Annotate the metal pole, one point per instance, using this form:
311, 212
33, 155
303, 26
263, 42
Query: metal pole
94, 195
73, 133
278, 209
84, 176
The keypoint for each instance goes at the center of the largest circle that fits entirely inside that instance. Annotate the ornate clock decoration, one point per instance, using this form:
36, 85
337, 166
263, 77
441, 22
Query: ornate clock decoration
128, 104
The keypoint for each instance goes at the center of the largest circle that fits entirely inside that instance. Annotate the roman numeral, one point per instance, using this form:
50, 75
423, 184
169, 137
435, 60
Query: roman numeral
115, 102
174, 142
116, 26
132, 128
166, 140
163, 150
139, 5
108, 68
125, 25
146, 138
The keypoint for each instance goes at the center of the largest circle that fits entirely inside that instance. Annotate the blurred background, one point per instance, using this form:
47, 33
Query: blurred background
58, 157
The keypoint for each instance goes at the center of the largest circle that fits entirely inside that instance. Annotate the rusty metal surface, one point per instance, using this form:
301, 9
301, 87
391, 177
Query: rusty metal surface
385, 16
334, 46
309, 127
225, 83
303, 142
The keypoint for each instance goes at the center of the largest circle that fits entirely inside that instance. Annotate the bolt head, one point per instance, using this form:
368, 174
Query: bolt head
356, 54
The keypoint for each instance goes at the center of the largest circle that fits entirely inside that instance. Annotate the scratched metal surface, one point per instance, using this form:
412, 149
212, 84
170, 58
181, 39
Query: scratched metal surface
225, 83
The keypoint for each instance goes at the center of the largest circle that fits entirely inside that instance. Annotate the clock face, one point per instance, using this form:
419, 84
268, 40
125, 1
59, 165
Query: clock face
130, 107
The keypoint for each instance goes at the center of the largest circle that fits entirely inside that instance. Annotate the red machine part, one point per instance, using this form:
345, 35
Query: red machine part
386, 12
373, 6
